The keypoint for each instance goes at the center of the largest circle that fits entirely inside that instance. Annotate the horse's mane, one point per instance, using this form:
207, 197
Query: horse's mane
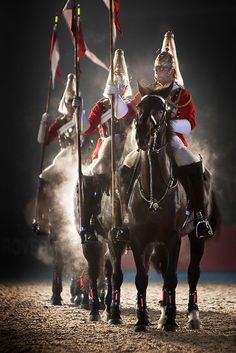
164, 92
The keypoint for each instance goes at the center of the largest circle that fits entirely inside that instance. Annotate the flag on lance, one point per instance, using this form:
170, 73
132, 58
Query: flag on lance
116, 23
54, 53
75, 27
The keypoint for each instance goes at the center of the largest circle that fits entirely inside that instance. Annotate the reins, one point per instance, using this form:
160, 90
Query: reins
154, 204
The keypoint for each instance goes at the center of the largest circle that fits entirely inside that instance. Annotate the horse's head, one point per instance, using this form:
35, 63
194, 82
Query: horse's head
151, 118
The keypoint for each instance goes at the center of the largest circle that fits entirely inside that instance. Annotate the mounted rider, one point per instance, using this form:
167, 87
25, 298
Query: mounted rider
97, 175
63, 129
181, 110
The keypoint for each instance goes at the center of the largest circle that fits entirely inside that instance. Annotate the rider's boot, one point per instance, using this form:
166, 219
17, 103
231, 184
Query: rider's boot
87, 231
121, 233
194, 183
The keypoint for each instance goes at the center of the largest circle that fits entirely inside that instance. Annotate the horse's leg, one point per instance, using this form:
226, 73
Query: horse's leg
79, 292
141, 281
74, 289
196, 253
94, 254
108, 277
168, 307
159, 258
57, 274
116, 250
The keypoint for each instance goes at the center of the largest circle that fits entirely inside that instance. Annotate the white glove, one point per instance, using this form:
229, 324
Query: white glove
112, 89
42, 128
45, 117
76, 103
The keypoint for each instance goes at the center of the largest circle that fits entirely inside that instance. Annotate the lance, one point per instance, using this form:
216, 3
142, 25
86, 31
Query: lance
113, 151
35, 221
78, 107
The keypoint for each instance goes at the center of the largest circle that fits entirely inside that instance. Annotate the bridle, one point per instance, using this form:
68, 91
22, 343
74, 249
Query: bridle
154, 204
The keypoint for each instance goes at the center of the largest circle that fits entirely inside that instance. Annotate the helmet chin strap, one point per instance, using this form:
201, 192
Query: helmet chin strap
167, 84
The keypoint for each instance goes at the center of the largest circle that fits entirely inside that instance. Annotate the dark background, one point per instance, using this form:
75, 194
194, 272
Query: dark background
204, 35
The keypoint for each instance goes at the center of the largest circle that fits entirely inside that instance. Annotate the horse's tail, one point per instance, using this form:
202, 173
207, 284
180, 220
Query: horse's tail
215, 218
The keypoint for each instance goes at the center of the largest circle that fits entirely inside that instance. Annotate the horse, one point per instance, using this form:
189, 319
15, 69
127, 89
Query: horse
156, 215
101, 253
55, 220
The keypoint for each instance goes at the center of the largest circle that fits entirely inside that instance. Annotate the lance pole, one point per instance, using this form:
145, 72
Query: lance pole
78, 107
113, 151
35, 222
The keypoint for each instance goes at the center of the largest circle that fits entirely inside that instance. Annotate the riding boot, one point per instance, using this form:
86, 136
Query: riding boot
194, 185
87, 231
121, 233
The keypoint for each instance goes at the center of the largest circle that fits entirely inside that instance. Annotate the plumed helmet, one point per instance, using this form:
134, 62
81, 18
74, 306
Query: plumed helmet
168, 57
68, 94
164, 60
121, 77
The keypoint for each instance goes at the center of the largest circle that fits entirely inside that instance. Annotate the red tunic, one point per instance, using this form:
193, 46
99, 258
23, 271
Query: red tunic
53, 129
186, 109
95, 120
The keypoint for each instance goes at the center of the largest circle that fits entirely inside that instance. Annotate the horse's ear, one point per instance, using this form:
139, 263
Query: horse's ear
164, 91
142, 89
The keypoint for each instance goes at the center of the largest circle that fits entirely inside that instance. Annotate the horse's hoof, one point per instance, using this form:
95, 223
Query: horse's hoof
94, 317
194, 325
170, 327
140, 328
107, 315
194, 322
72, 300
57, 301
115, 321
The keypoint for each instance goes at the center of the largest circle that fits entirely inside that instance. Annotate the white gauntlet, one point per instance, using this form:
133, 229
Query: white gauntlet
42, 128
181, 126
120, 110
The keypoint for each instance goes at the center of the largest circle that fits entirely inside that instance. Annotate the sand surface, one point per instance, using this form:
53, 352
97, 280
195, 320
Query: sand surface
29, 324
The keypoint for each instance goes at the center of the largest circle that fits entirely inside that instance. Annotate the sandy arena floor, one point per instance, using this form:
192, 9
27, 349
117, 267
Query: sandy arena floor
29, 324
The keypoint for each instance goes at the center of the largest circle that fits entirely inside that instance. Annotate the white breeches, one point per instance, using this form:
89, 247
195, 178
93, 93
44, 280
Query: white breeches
182, 155
102, 164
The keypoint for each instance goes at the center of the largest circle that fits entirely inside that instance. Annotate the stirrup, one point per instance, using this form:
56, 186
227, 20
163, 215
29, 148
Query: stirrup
203, 229
87, 234
120, 234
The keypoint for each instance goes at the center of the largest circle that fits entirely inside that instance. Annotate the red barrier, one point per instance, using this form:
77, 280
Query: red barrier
219, 255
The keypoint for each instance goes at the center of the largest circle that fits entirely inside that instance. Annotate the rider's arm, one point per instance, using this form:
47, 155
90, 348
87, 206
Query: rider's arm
187, 112
94, 118
132, 104
53, 129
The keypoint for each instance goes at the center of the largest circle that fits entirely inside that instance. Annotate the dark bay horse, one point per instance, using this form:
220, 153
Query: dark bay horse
103, 254
156, 214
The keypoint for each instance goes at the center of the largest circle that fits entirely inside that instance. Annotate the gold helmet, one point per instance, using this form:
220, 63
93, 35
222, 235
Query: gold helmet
168, 57
164, 60
120, 76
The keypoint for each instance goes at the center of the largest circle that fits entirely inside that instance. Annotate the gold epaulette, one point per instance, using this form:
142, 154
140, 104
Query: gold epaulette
175, 103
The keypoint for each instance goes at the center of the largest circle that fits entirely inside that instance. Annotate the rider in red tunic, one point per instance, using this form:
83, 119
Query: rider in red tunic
63, 129
97, 175
183, 119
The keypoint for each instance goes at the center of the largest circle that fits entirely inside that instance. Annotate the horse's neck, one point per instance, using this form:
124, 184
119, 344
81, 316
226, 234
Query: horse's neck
158, 175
